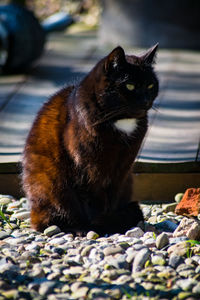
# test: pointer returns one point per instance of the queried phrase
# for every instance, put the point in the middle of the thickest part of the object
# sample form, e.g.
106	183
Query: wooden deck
169	159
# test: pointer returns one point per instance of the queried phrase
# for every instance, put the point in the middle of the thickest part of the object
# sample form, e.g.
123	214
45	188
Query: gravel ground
151	261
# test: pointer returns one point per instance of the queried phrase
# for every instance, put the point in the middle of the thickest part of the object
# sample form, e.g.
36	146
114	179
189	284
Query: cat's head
126	85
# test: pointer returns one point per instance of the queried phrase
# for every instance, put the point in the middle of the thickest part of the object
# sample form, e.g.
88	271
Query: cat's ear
115	59
149	57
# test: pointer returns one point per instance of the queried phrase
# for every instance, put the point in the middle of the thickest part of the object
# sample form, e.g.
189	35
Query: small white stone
57	241
5	200
125	239
136	232
22	215
33	246
68	237
92	235
186	284
151	242
13	205
178	197
16	241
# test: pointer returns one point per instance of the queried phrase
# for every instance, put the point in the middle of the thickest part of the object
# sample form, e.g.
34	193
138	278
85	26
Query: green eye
130	87
150	86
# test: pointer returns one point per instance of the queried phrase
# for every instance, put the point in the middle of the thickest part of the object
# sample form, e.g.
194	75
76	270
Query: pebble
86	251
136	232
92	235
180	248
152	219
186	284
169	207
131	256
150	242
158	260
146	212
178	197
139	264
188	227
33	246
141	257
162	240
57	241
196	288
119	262
11	294
3	234
175	260
50	231
14	205
76	285
46	287
196	258
39	273
81	292
4	200
194	232
113	250
138	247
21	215
16	241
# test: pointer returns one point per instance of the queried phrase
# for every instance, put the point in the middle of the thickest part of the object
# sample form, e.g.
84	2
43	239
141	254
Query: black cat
78	158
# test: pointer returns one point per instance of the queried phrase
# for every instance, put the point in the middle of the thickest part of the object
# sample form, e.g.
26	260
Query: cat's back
50	120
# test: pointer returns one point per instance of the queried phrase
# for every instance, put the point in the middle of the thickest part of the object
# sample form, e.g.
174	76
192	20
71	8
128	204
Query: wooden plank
148	187
10	168
162	187
139	167
183	167
174	132
16	119
11	185
9	85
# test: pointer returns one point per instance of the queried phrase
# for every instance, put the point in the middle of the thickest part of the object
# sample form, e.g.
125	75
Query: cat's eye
130	87
150	86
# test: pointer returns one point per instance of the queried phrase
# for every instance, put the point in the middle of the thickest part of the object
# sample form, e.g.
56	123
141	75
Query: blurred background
176	24
136	23
87	11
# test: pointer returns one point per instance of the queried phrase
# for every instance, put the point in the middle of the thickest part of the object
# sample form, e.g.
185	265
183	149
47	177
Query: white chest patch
126	125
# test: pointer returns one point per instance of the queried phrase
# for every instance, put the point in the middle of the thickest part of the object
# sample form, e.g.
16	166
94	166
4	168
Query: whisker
110	115
155	108
105	113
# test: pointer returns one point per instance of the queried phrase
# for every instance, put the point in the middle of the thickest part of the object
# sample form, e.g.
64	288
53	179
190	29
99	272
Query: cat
79	154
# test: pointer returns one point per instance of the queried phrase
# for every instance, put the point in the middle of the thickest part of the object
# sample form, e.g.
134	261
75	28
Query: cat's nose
147	104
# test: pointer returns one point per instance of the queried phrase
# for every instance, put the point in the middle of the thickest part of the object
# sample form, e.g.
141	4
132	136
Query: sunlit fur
78	160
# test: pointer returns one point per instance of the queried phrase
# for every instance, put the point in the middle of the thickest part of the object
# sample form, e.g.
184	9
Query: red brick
190	203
